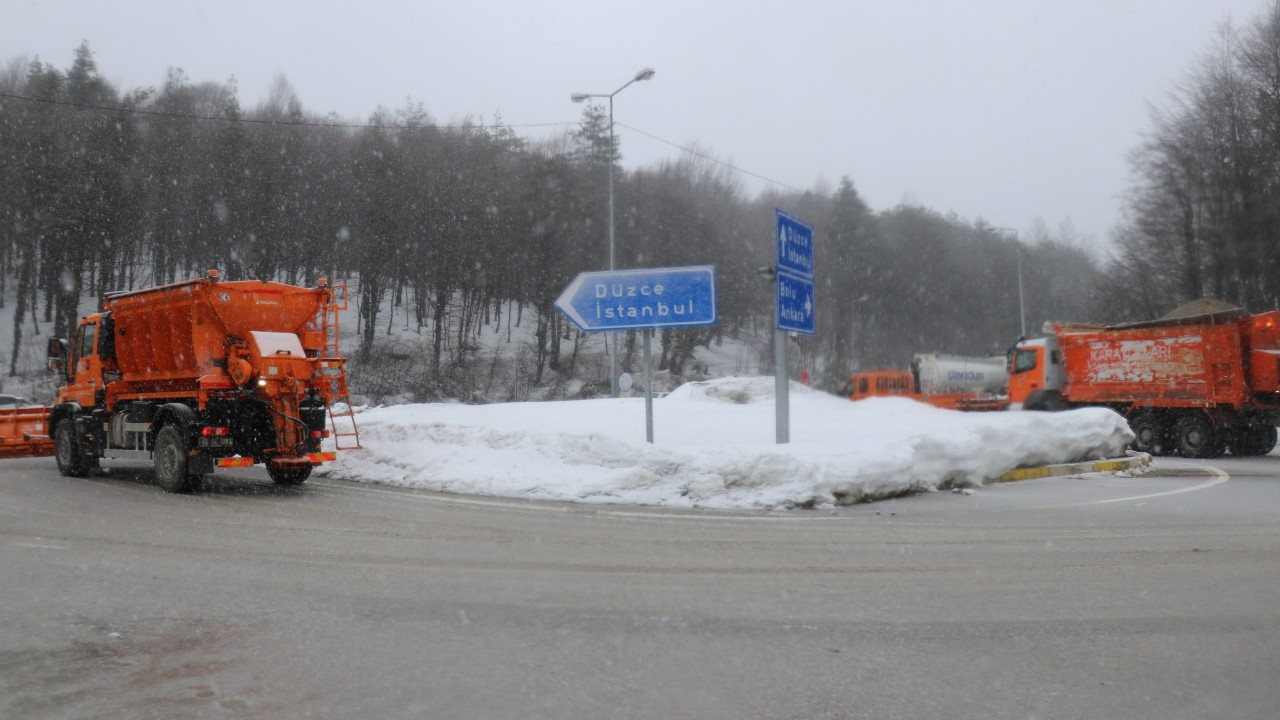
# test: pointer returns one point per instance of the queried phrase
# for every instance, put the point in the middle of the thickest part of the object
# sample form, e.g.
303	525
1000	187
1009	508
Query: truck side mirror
55	365
57	348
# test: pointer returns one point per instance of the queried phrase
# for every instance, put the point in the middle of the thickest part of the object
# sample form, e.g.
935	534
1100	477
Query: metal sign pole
783	421
648	387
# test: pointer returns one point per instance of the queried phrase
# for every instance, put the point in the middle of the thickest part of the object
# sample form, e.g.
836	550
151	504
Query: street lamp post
1022	307
1017	248
644	74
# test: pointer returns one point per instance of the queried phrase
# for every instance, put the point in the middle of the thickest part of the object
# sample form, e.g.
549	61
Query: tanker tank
941	374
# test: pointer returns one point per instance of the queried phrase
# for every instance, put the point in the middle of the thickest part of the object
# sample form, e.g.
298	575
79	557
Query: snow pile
714	447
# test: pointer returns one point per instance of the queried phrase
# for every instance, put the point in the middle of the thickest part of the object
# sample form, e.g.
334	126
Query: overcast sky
1006	110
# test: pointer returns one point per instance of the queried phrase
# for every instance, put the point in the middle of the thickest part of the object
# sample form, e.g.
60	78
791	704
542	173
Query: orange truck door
1026	374
85	365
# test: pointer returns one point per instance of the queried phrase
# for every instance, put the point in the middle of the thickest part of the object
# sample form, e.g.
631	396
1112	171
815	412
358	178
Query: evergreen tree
846	265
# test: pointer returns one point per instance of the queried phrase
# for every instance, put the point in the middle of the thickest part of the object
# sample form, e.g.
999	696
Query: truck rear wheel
1150	433
171	461
66	449
1254	440
284	476
1196	436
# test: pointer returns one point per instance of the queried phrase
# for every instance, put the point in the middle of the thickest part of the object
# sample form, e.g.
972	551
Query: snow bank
714	447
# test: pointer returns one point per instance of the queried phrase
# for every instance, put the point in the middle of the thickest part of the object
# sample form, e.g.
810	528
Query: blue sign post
795	308
642	300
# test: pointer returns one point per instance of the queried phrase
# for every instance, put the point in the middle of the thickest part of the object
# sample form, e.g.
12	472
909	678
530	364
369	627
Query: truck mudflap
234	462
314	458
25	432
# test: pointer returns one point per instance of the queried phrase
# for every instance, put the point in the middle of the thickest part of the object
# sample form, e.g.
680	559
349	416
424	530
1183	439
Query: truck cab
1036	374
91	364
878	383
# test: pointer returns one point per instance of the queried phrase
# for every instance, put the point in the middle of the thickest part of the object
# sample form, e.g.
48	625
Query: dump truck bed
175	334
1162	365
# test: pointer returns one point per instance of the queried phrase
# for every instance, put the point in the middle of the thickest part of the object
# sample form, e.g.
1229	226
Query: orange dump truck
200	375
1200	384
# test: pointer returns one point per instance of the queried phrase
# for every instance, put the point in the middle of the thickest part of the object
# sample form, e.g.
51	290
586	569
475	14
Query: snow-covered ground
714	447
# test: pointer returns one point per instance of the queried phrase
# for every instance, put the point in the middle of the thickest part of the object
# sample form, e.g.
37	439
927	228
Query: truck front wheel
66	450
171	461
1197	438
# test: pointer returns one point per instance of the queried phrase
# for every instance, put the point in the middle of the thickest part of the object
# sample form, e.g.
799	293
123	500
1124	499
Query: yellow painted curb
1113	465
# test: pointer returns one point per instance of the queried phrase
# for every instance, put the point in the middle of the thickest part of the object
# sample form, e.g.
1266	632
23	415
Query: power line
710	158
359	126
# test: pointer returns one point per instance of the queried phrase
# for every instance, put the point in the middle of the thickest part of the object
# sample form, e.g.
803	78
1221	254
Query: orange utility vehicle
946	381
203	374
1199	384
877	383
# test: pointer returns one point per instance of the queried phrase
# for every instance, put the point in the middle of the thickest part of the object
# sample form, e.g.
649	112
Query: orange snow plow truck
1201	381
195	376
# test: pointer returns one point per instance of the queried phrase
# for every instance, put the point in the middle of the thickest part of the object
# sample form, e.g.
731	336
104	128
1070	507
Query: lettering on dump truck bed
1145	360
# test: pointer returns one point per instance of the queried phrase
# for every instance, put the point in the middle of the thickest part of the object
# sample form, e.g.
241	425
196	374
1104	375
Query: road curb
1112	465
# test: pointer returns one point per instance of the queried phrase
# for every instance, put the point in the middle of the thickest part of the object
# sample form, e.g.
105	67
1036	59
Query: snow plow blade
24	432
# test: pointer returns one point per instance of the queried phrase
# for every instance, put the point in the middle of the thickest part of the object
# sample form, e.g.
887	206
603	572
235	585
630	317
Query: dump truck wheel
1254	440
1197	438
282	476
66	450
1265	440
171	461
1149	433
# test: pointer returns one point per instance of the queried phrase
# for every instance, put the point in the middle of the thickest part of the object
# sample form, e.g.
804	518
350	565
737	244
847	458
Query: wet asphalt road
1095	597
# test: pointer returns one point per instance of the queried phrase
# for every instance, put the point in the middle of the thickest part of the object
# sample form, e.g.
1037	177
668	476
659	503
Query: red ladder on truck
334	377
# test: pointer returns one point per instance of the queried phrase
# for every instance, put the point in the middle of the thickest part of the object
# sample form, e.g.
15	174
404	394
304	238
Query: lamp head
644	74
579	97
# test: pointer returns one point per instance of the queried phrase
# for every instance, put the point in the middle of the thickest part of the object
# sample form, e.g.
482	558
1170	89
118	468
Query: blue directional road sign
795	246
795	275
641	299
795	304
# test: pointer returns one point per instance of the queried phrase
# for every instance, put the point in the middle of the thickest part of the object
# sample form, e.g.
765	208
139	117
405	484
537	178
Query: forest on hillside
1204	211
455	225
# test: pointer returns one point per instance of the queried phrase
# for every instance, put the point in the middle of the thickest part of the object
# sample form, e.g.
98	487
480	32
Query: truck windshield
85	345
1024	360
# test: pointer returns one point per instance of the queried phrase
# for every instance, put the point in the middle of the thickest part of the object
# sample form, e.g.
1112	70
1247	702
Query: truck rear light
318	434
215	431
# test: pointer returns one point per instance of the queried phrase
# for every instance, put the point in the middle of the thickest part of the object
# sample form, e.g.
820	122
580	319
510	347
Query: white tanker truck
947	381
937	374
